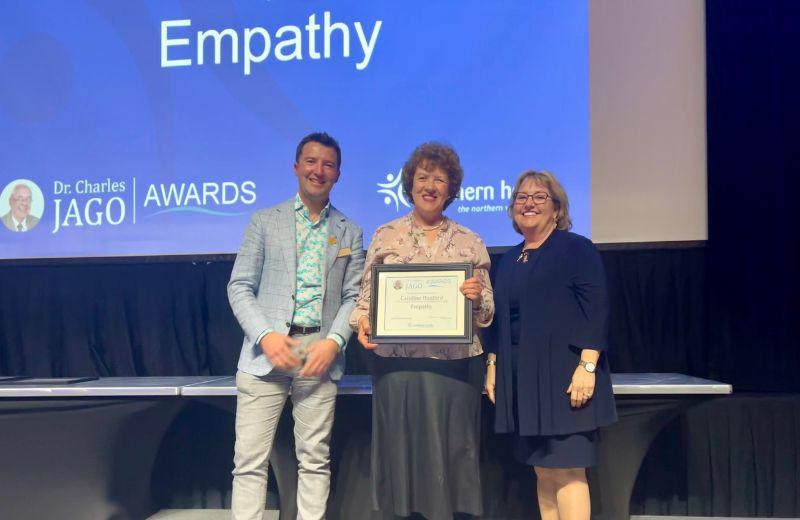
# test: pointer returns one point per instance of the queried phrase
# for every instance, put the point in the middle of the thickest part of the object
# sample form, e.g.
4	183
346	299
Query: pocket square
345	251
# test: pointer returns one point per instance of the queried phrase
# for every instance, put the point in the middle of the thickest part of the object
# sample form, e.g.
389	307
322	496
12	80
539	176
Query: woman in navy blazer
546	368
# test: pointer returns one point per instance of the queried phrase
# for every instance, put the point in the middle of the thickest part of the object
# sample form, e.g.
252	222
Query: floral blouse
402	241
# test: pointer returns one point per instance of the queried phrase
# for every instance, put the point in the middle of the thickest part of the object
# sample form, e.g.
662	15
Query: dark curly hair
430	156
322	138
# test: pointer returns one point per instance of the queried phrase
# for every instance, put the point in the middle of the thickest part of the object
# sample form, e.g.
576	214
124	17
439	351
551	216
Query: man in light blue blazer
293	286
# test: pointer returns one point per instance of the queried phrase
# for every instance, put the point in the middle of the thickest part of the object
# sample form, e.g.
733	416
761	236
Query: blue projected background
153	128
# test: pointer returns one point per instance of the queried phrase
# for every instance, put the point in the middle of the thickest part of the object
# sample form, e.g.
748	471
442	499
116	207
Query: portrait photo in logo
398	284
21	205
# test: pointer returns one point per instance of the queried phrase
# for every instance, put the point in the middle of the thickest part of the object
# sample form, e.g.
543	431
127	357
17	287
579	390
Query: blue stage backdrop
157	127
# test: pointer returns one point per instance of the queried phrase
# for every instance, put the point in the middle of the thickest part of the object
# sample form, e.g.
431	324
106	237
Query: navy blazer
563	309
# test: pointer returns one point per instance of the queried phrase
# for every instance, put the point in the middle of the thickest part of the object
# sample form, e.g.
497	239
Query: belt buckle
298	329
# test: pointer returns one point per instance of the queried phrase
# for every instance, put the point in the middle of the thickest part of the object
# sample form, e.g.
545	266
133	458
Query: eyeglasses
539	197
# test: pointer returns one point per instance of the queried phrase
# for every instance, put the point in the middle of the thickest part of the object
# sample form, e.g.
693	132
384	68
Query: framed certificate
420	303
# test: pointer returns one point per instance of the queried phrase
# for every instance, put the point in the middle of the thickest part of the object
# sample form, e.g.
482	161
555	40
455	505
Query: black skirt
426	435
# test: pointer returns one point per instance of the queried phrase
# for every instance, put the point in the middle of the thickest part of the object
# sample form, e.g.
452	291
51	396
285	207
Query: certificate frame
451	318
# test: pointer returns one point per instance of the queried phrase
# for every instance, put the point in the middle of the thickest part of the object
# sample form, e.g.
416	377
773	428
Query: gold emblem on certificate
420	303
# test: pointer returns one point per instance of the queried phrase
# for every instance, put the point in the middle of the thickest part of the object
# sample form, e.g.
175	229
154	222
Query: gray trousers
259	403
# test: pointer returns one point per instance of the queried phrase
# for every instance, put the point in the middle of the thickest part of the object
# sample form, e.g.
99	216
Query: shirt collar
18	222
300	207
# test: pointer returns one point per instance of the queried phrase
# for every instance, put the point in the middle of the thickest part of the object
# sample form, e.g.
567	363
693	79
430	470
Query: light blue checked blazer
262	286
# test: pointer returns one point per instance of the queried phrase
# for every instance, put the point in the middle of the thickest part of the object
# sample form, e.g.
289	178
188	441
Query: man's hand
320	356
278	349
364	330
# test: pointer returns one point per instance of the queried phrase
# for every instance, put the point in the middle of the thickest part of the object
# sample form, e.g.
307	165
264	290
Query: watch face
589	366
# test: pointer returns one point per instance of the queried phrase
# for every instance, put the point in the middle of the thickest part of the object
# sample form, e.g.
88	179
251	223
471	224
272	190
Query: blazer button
288	324
293	297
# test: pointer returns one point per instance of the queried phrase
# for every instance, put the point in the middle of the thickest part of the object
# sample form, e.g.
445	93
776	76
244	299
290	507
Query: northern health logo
392	190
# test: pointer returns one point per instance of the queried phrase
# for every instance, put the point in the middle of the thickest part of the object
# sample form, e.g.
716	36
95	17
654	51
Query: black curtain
160	319
733	456
753	166
117	320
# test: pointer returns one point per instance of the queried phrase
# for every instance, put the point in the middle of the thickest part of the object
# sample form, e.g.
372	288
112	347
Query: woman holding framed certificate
546	371
424	293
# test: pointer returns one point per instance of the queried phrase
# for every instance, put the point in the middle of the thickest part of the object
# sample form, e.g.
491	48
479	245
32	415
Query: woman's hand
582	387
472	288
491	373
364	330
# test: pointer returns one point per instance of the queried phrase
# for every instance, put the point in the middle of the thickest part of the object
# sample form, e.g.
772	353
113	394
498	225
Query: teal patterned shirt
311	241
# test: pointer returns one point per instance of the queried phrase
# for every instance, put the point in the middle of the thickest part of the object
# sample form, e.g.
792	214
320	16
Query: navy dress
546	311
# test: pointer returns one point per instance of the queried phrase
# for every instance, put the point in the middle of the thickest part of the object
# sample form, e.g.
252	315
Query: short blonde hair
548	181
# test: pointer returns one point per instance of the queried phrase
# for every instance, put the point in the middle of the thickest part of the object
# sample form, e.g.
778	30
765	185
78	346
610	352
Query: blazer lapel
286	227
335	234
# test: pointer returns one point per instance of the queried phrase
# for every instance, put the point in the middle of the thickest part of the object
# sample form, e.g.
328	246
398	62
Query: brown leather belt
296	330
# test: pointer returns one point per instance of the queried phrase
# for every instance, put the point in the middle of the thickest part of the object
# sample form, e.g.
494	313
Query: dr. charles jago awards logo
93	203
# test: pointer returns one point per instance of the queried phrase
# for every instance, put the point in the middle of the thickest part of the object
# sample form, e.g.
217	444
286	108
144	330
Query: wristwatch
588	365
